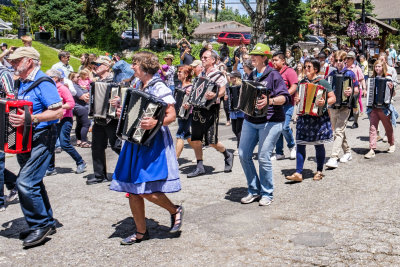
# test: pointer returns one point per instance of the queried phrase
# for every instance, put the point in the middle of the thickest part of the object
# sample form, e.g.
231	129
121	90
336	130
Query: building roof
384	9
213	28
383	25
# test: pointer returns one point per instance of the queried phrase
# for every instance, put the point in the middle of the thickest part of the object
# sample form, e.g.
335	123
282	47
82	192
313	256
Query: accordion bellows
100	95
250	93
136	106
15	140
309	94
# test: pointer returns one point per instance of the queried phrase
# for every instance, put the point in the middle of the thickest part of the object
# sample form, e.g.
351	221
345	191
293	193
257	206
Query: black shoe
229	163
95	180
355	125
176	224
132	239
196	172
351	118
24	234
37	236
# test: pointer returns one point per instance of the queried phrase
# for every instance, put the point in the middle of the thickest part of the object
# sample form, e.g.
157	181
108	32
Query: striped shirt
6	82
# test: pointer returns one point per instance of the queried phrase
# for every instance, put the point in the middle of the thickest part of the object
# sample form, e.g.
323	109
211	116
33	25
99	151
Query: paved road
351	217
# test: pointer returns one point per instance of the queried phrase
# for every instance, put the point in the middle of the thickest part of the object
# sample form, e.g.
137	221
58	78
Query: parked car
234	38
127	34
312	41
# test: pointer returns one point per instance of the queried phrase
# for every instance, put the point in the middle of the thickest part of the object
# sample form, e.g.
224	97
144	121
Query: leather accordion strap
27	128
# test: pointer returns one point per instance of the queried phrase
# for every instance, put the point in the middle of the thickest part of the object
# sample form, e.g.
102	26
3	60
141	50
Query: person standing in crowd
169	73
183	133
84	80
103	131
300	71
81	112
304	57
340	115
391	71
237	116
149	172
313	130
387	116
239	63
26	40
6	177
63	64
224	55
64	127
263	131
364	68
47	109
205	122
392	56
290	78
290	62
84	61
247	69
350	59
186	56
326	69
197	68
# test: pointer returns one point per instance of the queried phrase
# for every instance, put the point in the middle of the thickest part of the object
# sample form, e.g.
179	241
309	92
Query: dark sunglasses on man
96	64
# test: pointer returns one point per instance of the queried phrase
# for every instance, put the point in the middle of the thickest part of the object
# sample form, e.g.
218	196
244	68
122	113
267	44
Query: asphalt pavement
350	218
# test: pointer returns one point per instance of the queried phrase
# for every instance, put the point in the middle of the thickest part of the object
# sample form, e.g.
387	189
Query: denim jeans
32	193
266	135
286	131
6	177
64	128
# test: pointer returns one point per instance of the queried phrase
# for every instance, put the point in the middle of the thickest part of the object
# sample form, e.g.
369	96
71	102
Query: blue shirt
43	96
346	73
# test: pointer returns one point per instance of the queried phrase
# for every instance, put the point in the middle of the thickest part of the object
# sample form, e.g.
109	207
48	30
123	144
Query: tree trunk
145	28
258	19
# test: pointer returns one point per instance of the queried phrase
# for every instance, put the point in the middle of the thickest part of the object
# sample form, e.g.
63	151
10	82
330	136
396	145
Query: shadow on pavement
236	193
127	227
363	138
361	151
64	170
189	169
14	227
91	175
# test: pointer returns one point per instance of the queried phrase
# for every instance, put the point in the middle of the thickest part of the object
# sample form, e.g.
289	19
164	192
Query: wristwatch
35	119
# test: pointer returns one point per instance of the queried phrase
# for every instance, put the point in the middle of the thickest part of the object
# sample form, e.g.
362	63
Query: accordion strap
27	128
34	84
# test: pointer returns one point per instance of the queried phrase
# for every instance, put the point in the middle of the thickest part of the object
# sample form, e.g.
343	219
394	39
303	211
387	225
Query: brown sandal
86	145
318	176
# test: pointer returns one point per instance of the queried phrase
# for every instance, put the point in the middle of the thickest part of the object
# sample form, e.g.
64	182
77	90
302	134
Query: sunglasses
96	64
309	67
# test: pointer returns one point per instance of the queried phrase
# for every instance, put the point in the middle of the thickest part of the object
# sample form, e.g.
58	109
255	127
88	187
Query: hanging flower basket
362	30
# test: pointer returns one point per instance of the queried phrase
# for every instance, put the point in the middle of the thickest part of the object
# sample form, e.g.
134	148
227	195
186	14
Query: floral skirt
314	130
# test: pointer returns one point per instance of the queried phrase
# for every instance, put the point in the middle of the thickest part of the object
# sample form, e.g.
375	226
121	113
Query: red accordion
15	140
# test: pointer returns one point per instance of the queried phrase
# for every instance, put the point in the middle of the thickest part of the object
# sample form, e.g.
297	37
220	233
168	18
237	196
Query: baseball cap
104	60
3	44
235	73
62	73
196	63
351	54
169	56
29	52
261	50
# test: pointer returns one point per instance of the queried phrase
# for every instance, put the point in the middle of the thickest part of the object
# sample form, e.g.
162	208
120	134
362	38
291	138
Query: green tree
258	19
285	20
333	15
229	14
60	14
10	13
394	39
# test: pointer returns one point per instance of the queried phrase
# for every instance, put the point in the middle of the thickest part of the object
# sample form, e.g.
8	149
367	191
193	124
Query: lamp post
363	21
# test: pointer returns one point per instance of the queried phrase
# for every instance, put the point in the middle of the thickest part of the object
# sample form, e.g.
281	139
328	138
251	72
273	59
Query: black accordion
250	93
379	95
201	86
181	98
15	140
233	97
340	83
137	105
100	95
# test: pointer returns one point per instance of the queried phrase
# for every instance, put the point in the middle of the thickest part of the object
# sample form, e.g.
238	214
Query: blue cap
62	73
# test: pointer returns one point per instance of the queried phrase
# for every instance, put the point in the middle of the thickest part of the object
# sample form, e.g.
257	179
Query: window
221	35
234	36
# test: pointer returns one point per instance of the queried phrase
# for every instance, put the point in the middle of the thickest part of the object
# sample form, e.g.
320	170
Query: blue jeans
6	178
32	193
286	131
266	135
301	156
64	128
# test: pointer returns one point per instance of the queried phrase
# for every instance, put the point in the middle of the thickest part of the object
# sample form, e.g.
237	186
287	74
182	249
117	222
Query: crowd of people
150	172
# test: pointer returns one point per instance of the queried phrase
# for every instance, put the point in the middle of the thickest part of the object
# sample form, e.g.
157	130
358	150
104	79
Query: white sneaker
293	153
385	139
370	154
346	157
332	163
236	153
391	149
278	157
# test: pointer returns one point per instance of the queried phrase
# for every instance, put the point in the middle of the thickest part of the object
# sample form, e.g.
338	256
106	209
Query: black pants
237	128
226	109
101	136
82	123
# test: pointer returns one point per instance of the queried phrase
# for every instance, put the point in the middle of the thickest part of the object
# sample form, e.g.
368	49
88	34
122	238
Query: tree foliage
285	21
61	14
229	14
10	13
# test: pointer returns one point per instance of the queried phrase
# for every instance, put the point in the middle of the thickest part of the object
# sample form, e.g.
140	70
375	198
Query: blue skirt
148	169
314	130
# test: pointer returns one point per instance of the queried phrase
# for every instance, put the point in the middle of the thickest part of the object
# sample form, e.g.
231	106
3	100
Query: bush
78	49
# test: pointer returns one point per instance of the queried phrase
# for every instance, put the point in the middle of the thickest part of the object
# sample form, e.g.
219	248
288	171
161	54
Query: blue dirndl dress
149	169
313	130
